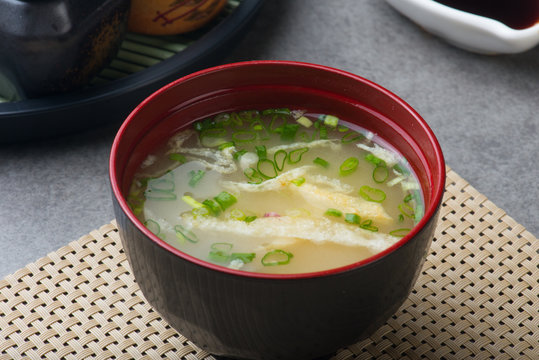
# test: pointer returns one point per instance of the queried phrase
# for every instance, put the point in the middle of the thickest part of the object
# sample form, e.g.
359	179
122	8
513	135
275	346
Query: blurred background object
168	17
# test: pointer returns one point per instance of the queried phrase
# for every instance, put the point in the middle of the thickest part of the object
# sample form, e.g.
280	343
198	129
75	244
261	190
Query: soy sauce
517	14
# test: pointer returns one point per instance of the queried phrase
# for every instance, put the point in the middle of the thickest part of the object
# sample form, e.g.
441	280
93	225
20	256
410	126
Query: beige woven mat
476	298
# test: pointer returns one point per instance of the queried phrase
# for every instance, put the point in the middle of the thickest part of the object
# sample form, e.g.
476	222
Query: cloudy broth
277	191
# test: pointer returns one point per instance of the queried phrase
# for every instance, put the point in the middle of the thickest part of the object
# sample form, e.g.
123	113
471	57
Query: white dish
468	31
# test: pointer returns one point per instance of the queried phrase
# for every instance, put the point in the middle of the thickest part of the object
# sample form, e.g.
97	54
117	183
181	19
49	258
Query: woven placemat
477	297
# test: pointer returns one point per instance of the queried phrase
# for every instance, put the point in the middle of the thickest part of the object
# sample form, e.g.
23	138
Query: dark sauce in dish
517	14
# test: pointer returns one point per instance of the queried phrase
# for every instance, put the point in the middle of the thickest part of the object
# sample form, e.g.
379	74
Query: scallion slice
245	257
401	169
250	218
408	198
298	182
375	160
277	257
226	145
201	211
331	121
266	168
213	137
261	151
333	212
348	166
244	136
177	157
189	200
400	232
237	214
407	210
372	194
185	234
289	131
196	176
321	162
305	121
225	200
279	158
253	176
380	174
282	111
352	218
156	194
367	225
239	154
213	206
153	226
351	137
294	156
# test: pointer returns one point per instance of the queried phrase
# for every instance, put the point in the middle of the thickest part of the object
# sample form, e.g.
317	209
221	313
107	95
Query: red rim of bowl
429	212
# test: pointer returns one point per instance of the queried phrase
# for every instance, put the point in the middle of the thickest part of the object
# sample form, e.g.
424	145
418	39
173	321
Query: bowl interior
270	84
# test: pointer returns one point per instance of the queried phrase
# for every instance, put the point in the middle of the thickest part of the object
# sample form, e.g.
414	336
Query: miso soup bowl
262	316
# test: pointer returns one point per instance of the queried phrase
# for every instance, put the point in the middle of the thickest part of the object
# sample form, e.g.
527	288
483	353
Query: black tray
143	65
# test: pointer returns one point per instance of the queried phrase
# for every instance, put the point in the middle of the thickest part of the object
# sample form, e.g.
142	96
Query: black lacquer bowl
263	316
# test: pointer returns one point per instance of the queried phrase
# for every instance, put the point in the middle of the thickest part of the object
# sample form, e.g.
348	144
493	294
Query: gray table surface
483	109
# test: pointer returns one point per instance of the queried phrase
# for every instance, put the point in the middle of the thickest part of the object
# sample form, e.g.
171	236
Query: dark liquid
517	14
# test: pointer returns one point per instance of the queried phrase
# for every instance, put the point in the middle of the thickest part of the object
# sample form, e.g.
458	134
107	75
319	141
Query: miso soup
277	191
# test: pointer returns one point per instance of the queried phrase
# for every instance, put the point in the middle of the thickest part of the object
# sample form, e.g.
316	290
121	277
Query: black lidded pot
54	46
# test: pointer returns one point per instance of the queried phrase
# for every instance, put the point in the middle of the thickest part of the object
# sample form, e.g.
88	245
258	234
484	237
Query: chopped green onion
372	194
253	176
305	121
245	257
348	166
282	111
226	145
367	225
321	162
225	200
303	136
164	183
279	158
289	132
277	257
178	157
408	198
156	194
342	128
375	160
239	154
333	212
185	234
250	218
400	232
401	218
380	174
213	206
257	125
331	121
218	256
407	210
266	168
222	246
244	136
205	124
153	226
201	211
351	137
294	156
236	119
273	124
323	132
196	176
261	151
237	214
189	200
352	218
298	181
